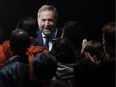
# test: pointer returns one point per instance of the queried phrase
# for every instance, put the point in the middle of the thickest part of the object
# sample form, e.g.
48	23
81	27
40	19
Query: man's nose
46	23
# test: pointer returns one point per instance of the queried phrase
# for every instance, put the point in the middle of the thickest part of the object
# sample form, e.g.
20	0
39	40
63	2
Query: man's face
46	22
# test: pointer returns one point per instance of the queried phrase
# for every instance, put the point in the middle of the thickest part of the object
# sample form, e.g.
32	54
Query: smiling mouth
46	29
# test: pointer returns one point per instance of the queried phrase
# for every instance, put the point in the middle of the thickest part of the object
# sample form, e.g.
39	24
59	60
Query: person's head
109	38
19	41
94	48
64	51
29	25
73	31
44	66
47	17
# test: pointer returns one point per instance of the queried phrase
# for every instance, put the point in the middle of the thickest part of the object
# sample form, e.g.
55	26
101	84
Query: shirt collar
43	35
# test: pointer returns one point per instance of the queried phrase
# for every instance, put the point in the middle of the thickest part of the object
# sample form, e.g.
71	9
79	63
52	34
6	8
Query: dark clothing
14	75
39	39
65	72
78	55
15	72
106	74
35	83
23	59
85	72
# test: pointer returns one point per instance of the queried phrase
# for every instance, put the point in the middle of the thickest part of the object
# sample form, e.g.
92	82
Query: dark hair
73	31
95	48
64	51
29	25
109	33
44	66
19	41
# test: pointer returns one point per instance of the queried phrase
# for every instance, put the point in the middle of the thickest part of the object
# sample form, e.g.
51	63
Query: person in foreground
29	25
18	72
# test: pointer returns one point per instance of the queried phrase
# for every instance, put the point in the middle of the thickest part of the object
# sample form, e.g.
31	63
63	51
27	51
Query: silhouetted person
64	52
93	51
30	26
102	75
106	71
74	32
19	42
18	73
44	68
15	72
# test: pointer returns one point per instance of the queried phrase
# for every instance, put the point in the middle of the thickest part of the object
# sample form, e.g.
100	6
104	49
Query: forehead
47	13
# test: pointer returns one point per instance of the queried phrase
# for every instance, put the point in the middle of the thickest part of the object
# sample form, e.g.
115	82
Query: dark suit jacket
39	38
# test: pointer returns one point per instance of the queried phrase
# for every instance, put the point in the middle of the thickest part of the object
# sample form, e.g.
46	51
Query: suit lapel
39	38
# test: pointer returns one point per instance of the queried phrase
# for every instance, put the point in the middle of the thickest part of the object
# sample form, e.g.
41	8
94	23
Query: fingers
84	43
91	58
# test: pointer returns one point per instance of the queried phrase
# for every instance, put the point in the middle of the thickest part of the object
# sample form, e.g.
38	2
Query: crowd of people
38	54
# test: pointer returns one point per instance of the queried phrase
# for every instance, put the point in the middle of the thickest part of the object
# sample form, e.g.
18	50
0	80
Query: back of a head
73	31
95	48
29	25
64	51
109	33
19	41
109	38
44	66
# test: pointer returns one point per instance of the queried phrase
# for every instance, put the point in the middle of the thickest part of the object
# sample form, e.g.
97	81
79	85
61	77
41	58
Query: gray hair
48	8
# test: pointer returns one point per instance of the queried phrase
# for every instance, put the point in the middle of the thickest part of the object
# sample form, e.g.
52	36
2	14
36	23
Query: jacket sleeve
5	53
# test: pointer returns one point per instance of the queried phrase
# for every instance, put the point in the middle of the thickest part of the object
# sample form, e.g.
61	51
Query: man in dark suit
47	17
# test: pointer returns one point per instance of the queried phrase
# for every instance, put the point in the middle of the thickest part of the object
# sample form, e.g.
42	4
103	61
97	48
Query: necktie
47	42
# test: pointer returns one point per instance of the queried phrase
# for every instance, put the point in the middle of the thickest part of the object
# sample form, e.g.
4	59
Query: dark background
92	14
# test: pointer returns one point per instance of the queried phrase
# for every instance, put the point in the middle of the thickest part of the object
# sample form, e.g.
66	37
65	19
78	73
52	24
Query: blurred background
92	14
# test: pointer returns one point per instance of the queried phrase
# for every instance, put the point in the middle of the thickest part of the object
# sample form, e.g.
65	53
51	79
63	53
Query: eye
43	20
51	20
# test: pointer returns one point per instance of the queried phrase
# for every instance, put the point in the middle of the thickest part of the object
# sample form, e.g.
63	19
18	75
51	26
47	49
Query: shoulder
12	73
59	29
13	68
59	32
36	49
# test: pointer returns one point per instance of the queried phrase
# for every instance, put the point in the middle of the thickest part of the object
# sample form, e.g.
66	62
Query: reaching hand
91	58
84	43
